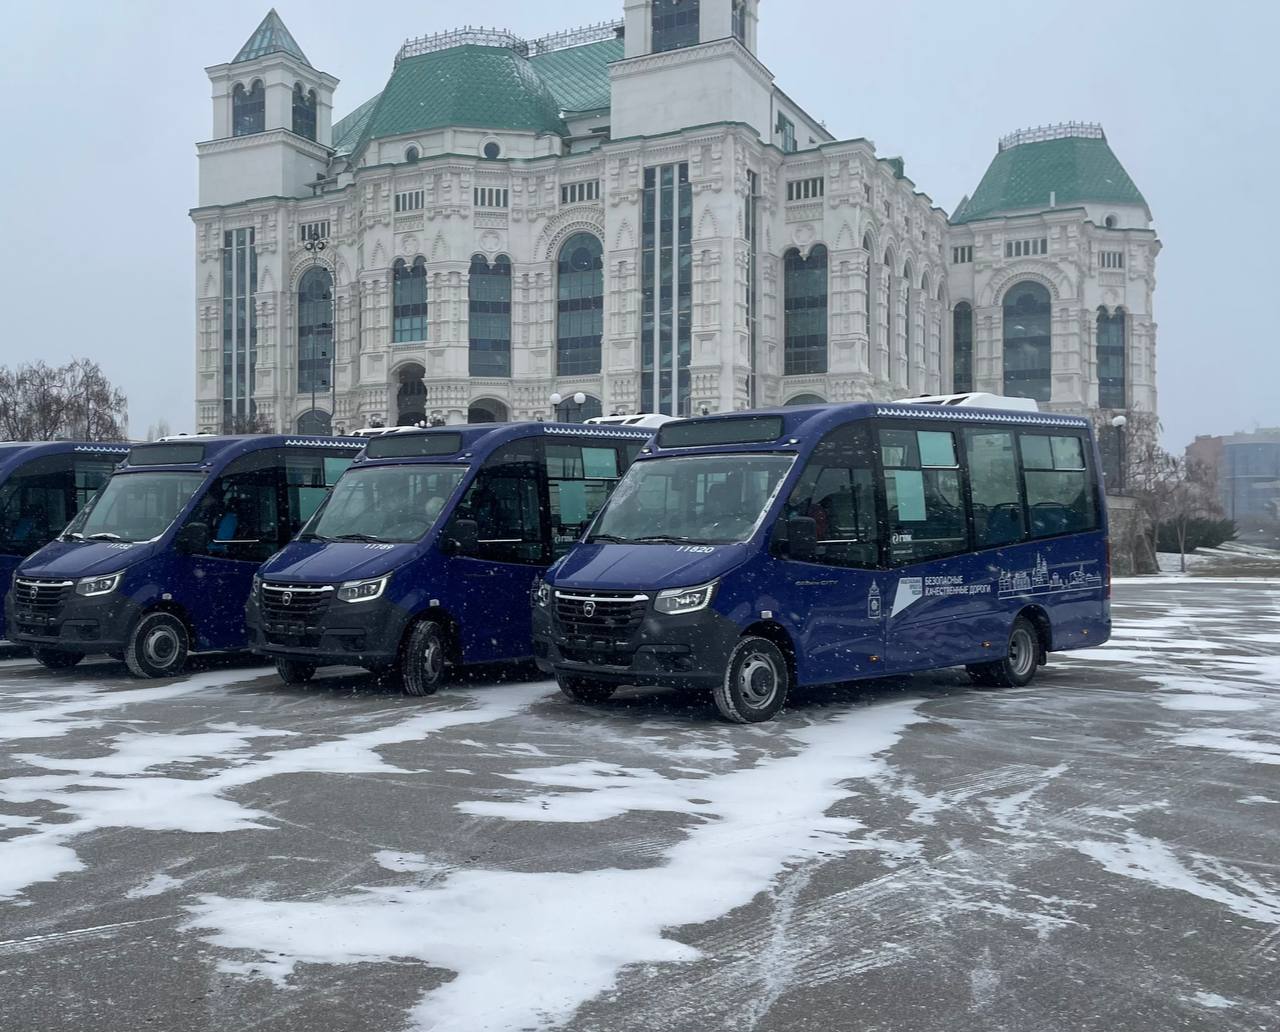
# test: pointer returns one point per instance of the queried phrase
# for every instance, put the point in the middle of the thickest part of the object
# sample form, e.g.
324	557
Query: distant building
636	212
1246	468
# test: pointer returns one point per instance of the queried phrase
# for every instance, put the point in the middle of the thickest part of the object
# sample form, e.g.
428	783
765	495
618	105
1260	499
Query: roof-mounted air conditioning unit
974	399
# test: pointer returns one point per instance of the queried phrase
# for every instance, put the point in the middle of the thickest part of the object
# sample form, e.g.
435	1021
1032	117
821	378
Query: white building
634	211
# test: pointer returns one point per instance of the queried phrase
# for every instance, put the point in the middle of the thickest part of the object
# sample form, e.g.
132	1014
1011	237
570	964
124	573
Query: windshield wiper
105	535
312	537
73	535
609	539
368	539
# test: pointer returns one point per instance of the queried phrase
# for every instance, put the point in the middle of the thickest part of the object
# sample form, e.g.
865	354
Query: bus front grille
39	602
294	603
601	616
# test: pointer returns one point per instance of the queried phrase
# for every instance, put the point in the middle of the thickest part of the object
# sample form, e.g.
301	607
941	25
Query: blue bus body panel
210	590
847	623
14	456
487	600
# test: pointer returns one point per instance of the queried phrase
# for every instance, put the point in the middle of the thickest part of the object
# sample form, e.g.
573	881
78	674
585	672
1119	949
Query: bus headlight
363	591
685	600
543	594
92	586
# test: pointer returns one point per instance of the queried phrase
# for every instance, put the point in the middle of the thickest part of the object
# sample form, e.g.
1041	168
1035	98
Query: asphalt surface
1100	850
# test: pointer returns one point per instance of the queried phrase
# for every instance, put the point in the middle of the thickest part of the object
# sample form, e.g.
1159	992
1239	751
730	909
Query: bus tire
756	682
585	690
425	661
57	659
295	671
1021	659
157	647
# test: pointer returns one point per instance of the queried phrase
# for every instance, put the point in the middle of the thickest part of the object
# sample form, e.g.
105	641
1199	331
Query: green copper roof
271	37
347	131
578	77
475	86
1074	169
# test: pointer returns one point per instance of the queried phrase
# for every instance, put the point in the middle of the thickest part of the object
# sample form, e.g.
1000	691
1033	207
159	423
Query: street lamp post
579	399
1119	423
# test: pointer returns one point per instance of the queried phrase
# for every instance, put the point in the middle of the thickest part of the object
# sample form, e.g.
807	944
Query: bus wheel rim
432	663
758	680
1021	652
161	646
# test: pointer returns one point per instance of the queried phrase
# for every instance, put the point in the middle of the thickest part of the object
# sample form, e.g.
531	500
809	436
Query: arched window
488	410
304	111
317	423
962	343
248	109
489	295
409	301
569	411
676	24
580	308
1111	360
412	154
871	300
909	324
806	399
1110	222
1028	348
890	307
740	21
315	330
411	396
805	302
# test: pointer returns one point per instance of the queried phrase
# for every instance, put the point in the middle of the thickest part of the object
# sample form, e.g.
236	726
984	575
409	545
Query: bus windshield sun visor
704	433
408	446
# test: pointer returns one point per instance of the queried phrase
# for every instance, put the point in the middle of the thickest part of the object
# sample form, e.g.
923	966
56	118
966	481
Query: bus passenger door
836	599
490	591
940	589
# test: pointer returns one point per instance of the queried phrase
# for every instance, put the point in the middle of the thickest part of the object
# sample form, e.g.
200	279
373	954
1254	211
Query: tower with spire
272	120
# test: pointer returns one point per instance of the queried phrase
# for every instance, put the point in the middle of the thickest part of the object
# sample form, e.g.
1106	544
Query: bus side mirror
193	539
464	538
802	538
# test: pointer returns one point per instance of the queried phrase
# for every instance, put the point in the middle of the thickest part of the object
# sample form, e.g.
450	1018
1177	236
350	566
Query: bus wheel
158	646
422	669
57	659
583	689
1020	661
755	683
293	671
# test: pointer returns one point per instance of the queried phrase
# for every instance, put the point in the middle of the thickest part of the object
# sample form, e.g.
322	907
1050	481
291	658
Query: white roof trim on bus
116	448
969	415
597	431
331	442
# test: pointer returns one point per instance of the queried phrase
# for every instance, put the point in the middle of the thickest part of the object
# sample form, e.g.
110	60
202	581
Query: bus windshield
136	507
386	504
693	499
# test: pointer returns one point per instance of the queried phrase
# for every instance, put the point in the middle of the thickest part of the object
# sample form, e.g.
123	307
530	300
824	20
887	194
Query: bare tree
1172	493
159	429
39	402
254	424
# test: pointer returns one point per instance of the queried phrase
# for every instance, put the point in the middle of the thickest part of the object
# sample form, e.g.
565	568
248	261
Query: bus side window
580	478
503	502
1058	485
837	491
36	504
993	481
922	489
242	510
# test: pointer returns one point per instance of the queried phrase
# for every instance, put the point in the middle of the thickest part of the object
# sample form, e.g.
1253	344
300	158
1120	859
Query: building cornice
252	140
727	47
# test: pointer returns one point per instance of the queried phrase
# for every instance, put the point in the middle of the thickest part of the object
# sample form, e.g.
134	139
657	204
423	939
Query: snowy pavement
1098	851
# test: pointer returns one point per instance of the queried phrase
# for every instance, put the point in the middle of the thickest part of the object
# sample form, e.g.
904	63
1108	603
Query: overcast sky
104	103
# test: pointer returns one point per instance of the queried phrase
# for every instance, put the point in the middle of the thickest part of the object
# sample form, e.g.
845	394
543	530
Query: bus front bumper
690	651
366	634
89	625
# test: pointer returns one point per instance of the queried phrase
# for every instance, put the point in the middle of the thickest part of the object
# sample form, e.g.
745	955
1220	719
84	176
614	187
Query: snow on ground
564	938
144	782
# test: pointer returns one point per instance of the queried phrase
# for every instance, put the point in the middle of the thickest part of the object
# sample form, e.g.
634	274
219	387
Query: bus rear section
744	554
160	564
423	558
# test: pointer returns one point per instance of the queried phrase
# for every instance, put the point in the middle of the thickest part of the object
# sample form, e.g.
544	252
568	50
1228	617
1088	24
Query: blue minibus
160	563
745	554
424	556
42	487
